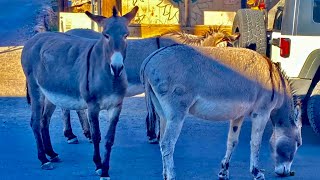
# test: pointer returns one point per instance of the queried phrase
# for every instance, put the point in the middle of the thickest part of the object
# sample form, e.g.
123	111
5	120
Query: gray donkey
137	51
77	73
222	84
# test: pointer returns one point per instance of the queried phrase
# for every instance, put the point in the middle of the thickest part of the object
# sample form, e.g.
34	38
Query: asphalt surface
199	150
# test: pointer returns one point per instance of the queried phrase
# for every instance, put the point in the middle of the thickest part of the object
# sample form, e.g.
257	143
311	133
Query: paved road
198	153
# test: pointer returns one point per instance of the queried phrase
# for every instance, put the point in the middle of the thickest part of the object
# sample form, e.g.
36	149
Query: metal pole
92	11
99	7
99	12
243	4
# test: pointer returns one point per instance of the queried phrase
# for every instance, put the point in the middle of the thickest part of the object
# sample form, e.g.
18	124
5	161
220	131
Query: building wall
153	11
173	11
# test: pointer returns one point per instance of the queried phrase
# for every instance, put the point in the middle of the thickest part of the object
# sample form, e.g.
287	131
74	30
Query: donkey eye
106	36
125	36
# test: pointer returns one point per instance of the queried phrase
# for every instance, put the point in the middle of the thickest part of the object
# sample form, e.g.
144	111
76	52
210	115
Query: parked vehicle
293	42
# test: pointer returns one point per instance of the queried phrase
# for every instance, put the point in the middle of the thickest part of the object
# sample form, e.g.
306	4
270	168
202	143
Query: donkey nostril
116	70
121	68
299	144
113	68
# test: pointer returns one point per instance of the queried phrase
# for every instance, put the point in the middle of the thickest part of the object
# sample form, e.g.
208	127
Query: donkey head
286	139
115	32
218	37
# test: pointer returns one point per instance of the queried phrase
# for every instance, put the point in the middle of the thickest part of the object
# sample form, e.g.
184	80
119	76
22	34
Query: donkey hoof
153	141
47	166
90	140
73	141
55	159
260	176
223	175
99	172
104	178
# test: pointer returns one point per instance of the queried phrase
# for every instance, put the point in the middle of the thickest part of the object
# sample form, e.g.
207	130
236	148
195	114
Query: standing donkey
77	73
221	84
136	53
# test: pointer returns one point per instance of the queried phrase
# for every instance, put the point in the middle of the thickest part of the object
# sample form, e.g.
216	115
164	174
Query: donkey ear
297	114
96	18
234	36
130	15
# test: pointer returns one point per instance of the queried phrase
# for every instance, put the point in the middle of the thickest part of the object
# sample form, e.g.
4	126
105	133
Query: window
278	19
316	11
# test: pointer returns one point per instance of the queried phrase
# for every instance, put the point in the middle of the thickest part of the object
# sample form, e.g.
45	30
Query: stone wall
12	79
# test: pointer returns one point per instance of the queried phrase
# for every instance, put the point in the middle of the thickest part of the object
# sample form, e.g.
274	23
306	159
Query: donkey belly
65	101
134	89
219	109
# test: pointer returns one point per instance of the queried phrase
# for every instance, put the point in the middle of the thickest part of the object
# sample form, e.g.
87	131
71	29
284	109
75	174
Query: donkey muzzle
116	65
283	170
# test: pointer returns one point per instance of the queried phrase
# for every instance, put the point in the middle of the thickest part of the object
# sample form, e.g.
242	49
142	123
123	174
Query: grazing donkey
136	53
77	73
221	84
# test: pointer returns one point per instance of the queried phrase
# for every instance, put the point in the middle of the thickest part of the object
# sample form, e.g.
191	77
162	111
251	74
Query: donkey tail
151	119
27	94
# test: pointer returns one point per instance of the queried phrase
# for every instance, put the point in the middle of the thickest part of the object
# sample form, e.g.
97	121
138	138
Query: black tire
314	109
251	26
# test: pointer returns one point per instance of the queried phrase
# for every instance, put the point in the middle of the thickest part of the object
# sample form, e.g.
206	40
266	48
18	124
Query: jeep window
278	19
316	11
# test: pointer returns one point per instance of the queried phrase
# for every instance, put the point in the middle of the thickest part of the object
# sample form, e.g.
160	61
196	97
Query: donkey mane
286	83
285	77
195	40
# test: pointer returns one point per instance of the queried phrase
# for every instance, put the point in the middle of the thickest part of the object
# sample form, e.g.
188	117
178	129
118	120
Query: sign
69	21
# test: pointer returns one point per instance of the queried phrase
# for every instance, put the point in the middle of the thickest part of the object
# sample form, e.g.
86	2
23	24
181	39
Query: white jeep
293	42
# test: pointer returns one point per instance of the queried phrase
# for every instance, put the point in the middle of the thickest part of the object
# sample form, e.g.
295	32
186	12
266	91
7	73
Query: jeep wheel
251	26
314	109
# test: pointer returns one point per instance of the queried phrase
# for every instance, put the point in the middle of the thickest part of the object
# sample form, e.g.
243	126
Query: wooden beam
187	12
63	5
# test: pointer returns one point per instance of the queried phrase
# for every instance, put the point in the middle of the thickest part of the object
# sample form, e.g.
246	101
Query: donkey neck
101	54
283	115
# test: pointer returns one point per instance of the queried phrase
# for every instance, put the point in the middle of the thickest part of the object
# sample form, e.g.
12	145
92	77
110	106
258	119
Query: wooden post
92	11
62	4
187	10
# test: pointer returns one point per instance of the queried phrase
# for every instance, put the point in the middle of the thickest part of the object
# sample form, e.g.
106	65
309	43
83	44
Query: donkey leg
259	121
46	116
67	130
36	107
151	129
113	114
93	114
163	124
167	143
84	123
233	137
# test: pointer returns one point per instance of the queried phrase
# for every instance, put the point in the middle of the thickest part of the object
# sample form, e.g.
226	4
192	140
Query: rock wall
12	79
